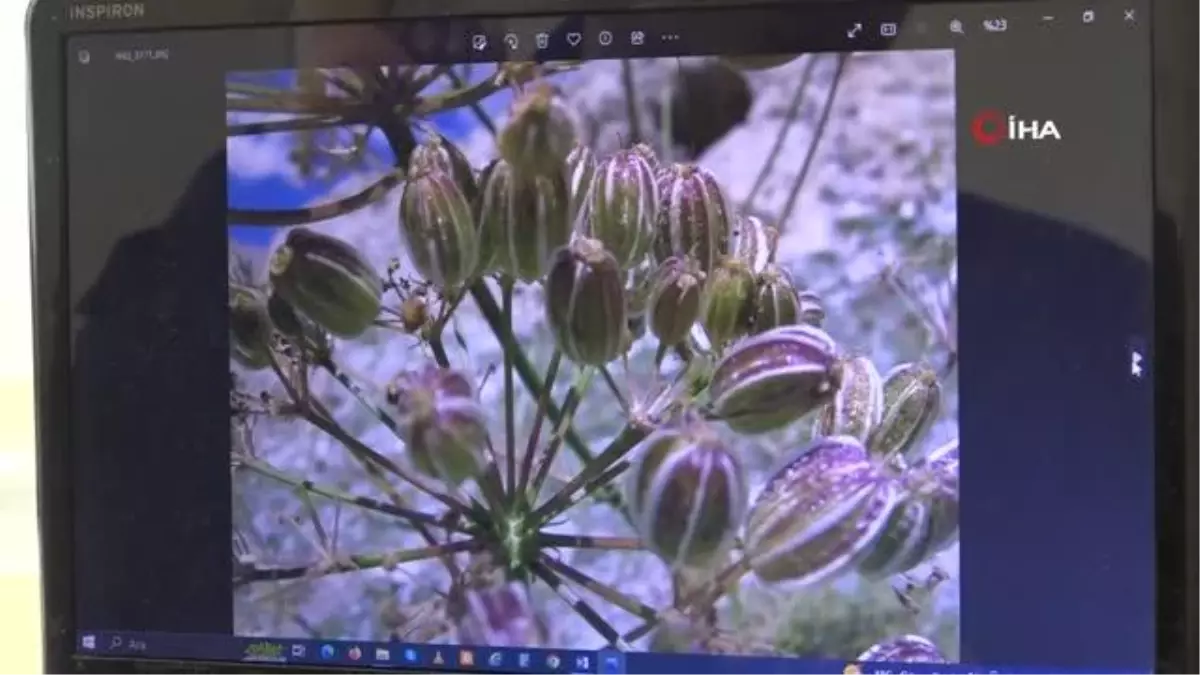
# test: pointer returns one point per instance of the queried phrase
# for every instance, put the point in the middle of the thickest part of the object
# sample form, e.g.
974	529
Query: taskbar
386	656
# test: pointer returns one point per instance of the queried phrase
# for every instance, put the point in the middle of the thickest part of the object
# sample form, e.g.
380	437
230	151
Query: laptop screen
629	342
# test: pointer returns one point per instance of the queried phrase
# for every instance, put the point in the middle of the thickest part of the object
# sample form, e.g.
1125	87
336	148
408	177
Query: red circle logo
988	127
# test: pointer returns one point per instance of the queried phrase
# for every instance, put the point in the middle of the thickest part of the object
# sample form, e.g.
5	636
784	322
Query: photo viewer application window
628	343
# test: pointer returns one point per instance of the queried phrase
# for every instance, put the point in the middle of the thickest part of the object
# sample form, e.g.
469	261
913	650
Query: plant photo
649	354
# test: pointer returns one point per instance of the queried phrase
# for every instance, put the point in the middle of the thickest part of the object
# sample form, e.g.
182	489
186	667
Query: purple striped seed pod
539	134
623	205
249	327
912	402
812	309
903	649
753	241
441	422
687	494
328	281
925	520
438	228
857	407
693	217
728	302
676	298
585	303
581	170
776	302
438	154
817	513
523	220
769	381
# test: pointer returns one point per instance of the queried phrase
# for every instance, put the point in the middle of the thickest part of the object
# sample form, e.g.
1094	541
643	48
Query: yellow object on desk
20	597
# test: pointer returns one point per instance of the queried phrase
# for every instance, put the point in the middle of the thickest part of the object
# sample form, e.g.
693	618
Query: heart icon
574	39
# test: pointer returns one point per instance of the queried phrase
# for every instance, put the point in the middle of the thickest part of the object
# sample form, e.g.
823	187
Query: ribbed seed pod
249	327
647	153
903	649
438	154
857	407
812	310
441	422
912	401
817	513
585	302
728	302
523	219
438	228
776	302
753	241
676	296
768	381
581	170
687	494
693	217
327	281
292	325
622	206
925	520
539	134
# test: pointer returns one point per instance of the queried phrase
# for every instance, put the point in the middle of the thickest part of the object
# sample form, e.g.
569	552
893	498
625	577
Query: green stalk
249	574
535	434
510	394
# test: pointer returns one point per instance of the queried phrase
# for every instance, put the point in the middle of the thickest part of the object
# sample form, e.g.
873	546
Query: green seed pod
249	327
438	228
687	494
327	281
622	207
912	401
776	302
903	649
770	380
812	310
441	422
857	407
438	154
925	520
523	220
581	170
676	295
753	241
296	328
693	216
585	302
540	133
728	302
817	513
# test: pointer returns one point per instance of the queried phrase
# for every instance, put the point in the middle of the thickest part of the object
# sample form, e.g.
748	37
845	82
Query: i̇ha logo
992	127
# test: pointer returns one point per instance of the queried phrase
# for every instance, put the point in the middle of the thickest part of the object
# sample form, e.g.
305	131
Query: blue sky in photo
282	190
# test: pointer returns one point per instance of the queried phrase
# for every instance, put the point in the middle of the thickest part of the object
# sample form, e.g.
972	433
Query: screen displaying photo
646	354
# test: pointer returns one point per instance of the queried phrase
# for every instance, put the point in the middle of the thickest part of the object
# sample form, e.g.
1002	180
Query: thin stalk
705	594
615	389
480	114
510	393
314	214
818	136
615	452
599	588
535	434
602	483
329	366
789	118
328	492
631	102
249	574
579	606
552	540
308	123
570	405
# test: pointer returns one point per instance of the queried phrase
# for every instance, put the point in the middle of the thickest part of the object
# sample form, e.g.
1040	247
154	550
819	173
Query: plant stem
315	214
307	123
477	109
789	118
616	450
601	589
705	594
552	540
329	366
615	389
366	503
510	392
570	405
535	433
818	135
631	102
249	574
579	605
